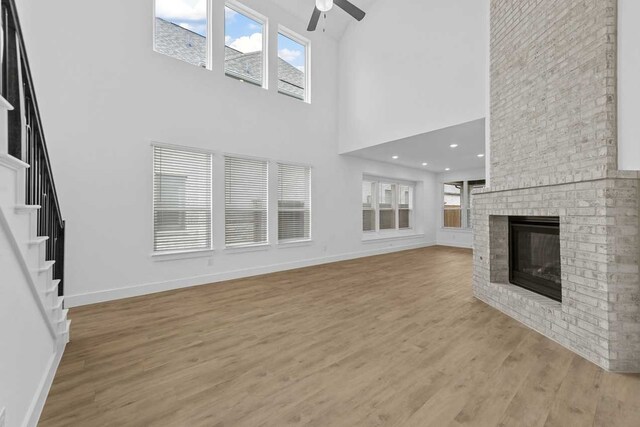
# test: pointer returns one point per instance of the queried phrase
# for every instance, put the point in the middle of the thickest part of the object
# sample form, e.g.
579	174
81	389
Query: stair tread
47	266
11	162
39	240
59	303
54	286
63	316
27	207
5	105
66	333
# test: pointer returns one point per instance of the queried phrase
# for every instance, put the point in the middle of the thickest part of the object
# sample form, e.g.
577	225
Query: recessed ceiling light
394	157
447	169
425	164
454	146
480	155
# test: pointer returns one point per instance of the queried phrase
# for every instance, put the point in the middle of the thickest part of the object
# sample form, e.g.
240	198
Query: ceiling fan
323	6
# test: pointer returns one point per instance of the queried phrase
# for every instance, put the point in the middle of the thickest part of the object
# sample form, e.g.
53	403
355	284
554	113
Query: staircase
29	207
32	239
20	223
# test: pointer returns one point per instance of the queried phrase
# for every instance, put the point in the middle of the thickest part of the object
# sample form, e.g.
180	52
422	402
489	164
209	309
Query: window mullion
376	196
182	200
396	207
465	202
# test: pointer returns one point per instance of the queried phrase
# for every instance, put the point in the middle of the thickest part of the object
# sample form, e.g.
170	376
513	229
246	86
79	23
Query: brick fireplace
553	154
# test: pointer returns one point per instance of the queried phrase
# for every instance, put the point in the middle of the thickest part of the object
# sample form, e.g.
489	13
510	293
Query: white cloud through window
246	44
182	10
289	55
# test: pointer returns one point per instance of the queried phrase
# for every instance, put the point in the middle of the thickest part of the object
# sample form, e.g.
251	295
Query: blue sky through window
189	14
241	32
291	51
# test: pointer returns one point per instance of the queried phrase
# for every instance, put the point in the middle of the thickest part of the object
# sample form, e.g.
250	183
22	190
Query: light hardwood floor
392	340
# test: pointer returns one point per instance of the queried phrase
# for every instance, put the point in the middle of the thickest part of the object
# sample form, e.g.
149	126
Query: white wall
628	85
105	95
412	67
446	236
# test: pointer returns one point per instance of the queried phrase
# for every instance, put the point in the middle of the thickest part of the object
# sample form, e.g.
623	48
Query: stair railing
26	138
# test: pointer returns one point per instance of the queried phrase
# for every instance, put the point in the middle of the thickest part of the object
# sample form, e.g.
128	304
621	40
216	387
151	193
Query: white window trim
178	255
307	60
212	38
251	247
209	64
234	249
292	242
464	209
184	254
391	234
248	247
395	236
295	244
303	242
462	206
256	16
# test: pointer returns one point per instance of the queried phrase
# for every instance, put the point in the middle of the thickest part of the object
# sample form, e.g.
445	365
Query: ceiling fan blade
315	17
350	8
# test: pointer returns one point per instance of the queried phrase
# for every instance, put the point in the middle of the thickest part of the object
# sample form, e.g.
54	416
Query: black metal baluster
40	186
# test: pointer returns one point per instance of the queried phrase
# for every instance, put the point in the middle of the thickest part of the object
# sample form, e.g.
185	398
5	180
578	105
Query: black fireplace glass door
535	257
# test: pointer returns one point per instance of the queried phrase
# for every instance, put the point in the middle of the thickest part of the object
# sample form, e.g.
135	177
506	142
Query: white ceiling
337	20
434	149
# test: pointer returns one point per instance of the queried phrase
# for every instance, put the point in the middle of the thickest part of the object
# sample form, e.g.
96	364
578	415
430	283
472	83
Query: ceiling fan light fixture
324	5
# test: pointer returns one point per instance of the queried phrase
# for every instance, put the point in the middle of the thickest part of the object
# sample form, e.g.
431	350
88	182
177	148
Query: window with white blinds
294	203
182	207
246	201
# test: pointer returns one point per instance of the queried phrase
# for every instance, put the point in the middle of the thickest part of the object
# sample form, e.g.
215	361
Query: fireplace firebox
534	255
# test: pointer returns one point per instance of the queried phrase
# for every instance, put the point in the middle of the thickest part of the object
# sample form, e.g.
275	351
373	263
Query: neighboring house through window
405	207
458	202
387	205
294	203
453	204
368	206
181	30
182	200
293	65
246	201
245	44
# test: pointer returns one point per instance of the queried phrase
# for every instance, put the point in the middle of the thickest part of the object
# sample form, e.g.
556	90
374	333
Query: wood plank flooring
392	340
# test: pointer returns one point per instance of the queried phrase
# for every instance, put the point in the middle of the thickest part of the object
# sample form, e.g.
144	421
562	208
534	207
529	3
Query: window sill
178	255
293	97
247	248
294	244
457	230
245	80
384	237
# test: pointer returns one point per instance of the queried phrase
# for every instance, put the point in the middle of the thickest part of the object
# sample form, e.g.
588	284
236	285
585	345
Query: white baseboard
456	245
149	288
45	385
